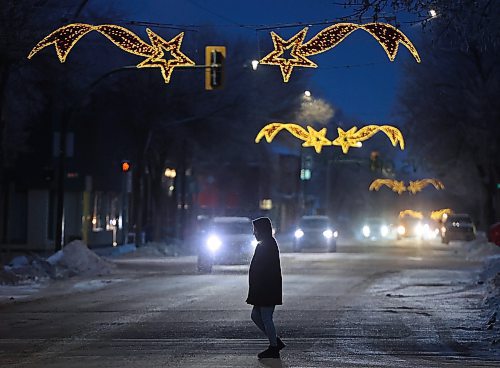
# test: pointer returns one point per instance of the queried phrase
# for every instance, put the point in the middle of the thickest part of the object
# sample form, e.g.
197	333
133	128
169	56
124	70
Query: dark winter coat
265	274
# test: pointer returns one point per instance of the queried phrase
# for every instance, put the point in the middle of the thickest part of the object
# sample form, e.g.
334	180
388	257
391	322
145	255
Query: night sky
355	77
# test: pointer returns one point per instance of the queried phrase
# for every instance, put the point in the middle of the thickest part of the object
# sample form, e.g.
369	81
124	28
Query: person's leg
257	318
266	314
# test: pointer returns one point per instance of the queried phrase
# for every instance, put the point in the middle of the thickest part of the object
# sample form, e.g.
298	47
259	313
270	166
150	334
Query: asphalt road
373	305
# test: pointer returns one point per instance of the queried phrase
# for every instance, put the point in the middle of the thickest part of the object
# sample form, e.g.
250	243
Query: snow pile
74	259
491	277
26	268
480	249
77	259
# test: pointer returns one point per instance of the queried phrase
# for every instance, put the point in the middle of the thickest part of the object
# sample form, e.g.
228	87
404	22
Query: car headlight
384	230
255	243
366	231
328	233
401	230
335	234
299	233
213	243
419	230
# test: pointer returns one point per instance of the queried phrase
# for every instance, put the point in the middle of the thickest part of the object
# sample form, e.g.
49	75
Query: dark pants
263	318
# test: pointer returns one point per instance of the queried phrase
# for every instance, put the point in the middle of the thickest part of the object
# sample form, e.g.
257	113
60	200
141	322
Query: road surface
405	304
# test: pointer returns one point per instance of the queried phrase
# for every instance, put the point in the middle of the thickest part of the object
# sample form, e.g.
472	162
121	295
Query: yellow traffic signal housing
214	62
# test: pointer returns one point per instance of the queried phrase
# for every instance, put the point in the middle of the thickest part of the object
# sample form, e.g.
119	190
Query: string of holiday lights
396	186
439	215
411	213
66	37
388	36
311	137
399	186
317	139
353	137
418	185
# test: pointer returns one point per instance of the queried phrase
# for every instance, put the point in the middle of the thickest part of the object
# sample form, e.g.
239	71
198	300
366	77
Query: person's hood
263	226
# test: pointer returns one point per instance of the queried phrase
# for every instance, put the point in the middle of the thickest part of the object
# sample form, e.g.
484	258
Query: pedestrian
265	290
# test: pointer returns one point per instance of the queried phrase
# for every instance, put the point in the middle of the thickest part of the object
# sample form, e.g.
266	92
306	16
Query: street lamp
255	64
433	13
307	93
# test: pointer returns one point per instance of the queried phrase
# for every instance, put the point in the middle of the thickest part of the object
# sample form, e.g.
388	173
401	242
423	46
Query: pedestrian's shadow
272	363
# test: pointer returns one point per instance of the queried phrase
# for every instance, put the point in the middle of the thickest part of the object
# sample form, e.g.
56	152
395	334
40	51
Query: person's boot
281	344
271	352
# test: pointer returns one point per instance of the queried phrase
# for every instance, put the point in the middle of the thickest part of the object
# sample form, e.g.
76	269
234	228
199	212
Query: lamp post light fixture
433	13
255	64
307	93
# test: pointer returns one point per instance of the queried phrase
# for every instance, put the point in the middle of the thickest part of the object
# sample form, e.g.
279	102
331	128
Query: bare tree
451	106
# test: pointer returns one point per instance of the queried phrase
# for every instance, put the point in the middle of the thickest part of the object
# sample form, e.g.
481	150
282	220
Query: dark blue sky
356	76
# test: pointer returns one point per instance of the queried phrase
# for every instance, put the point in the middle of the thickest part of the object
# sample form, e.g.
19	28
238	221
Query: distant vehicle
375	228
494	233
458	227
227	240
315	232
411	227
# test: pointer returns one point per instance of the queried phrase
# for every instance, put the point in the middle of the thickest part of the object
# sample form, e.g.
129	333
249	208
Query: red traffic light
126	166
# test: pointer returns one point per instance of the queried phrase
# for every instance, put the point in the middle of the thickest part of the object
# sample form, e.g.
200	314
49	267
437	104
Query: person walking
265	289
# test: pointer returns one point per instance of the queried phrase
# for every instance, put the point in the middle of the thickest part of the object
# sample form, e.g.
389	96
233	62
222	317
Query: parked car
315	232
458	227
494	233
375	228
227	240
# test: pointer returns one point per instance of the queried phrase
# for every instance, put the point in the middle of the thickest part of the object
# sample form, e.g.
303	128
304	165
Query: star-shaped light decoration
297	59
157	60
311	137
395	185
66	37
418	185
346	139
316	139
386	35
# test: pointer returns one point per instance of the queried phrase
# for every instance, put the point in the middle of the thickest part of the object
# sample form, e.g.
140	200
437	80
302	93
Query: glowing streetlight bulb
255	64
307	93
433	13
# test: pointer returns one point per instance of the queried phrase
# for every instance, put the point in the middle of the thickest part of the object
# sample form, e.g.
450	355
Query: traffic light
214	71
375	163
125	166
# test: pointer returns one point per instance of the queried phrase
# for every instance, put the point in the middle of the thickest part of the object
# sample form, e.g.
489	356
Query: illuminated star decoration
311	137
353	137
418	185
317	139
66	37
438	215
399	186
386	35
286	65
411	213
395	185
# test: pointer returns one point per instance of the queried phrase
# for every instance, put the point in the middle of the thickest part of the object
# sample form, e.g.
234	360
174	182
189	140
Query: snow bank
77	259
74	259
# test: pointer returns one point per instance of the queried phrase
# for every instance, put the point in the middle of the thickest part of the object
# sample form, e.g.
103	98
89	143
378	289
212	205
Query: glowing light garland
438	215
399	186
353	136
395	185
317	139
311	137
418	185
66	37
411	213
386	35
